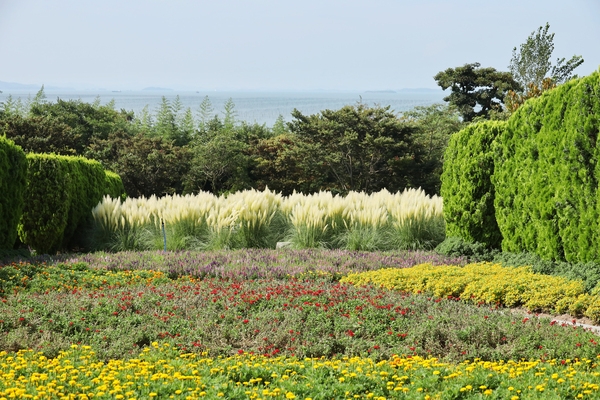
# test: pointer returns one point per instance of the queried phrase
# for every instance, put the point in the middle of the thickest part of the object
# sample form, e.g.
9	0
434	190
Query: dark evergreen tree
476	91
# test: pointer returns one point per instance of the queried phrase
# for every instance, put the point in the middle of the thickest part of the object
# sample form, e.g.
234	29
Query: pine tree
279	127
230	115
205	114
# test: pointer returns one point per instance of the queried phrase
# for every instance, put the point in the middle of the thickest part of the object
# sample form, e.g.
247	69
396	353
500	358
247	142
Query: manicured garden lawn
269	324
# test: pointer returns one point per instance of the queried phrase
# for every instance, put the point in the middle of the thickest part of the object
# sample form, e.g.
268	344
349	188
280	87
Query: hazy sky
277	44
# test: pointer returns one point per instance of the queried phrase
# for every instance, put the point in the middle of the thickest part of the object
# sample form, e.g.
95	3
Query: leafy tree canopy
532	68
86	120
40	134
531	64
218	165
277	164
476	91
147	165
357	148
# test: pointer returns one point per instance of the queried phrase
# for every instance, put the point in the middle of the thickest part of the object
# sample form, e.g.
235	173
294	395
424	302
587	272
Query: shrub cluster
13	172
113	185
490	284
454	246
588	273
61	191
544	176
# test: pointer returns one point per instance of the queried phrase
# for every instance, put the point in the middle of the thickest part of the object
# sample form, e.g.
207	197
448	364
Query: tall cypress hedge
547	173
13	172
467	189
47	202
61	192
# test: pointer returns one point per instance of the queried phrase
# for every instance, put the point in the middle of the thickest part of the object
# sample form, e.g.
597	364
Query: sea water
252	107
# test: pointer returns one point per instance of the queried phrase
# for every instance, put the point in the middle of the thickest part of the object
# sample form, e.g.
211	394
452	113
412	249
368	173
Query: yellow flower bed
160	372
488	283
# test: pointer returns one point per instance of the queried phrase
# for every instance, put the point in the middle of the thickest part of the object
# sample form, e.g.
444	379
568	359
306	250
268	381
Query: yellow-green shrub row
160	372
488	283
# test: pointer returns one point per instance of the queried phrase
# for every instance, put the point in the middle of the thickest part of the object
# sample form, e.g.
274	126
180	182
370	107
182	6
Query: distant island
157	89
428	90
405	90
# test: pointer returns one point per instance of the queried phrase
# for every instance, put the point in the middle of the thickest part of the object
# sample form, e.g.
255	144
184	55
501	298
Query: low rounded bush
457	247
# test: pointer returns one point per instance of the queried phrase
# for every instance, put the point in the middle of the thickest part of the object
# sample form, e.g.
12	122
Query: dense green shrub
458	247
546	174
13	171
87	188
36	134
467	189
61	192
47	202
114	185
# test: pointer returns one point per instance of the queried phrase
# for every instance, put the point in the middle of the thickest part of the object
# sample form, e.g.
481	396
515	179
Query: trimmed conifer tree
61	193
467	188
546	174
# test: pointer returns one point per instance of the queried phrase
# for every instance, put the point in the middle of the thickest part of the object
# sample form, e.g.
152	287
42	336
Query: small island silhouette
153	88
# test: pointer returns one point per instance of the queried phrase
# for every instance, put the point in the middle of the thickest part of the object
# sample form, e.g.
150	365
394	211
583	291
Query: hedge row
61	192
541	172
13	172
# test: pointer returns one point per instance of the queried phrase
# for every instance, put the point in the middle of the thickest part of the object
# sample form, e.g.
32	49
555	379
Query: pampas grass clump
254	219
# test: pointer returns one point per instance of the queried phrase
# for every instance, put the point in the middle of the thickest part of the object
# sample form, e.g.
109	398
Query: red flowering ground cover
311	315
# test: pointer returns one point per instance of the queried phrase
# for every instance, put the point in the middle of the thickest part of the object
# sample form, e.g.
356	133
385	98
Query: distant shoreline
260	107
